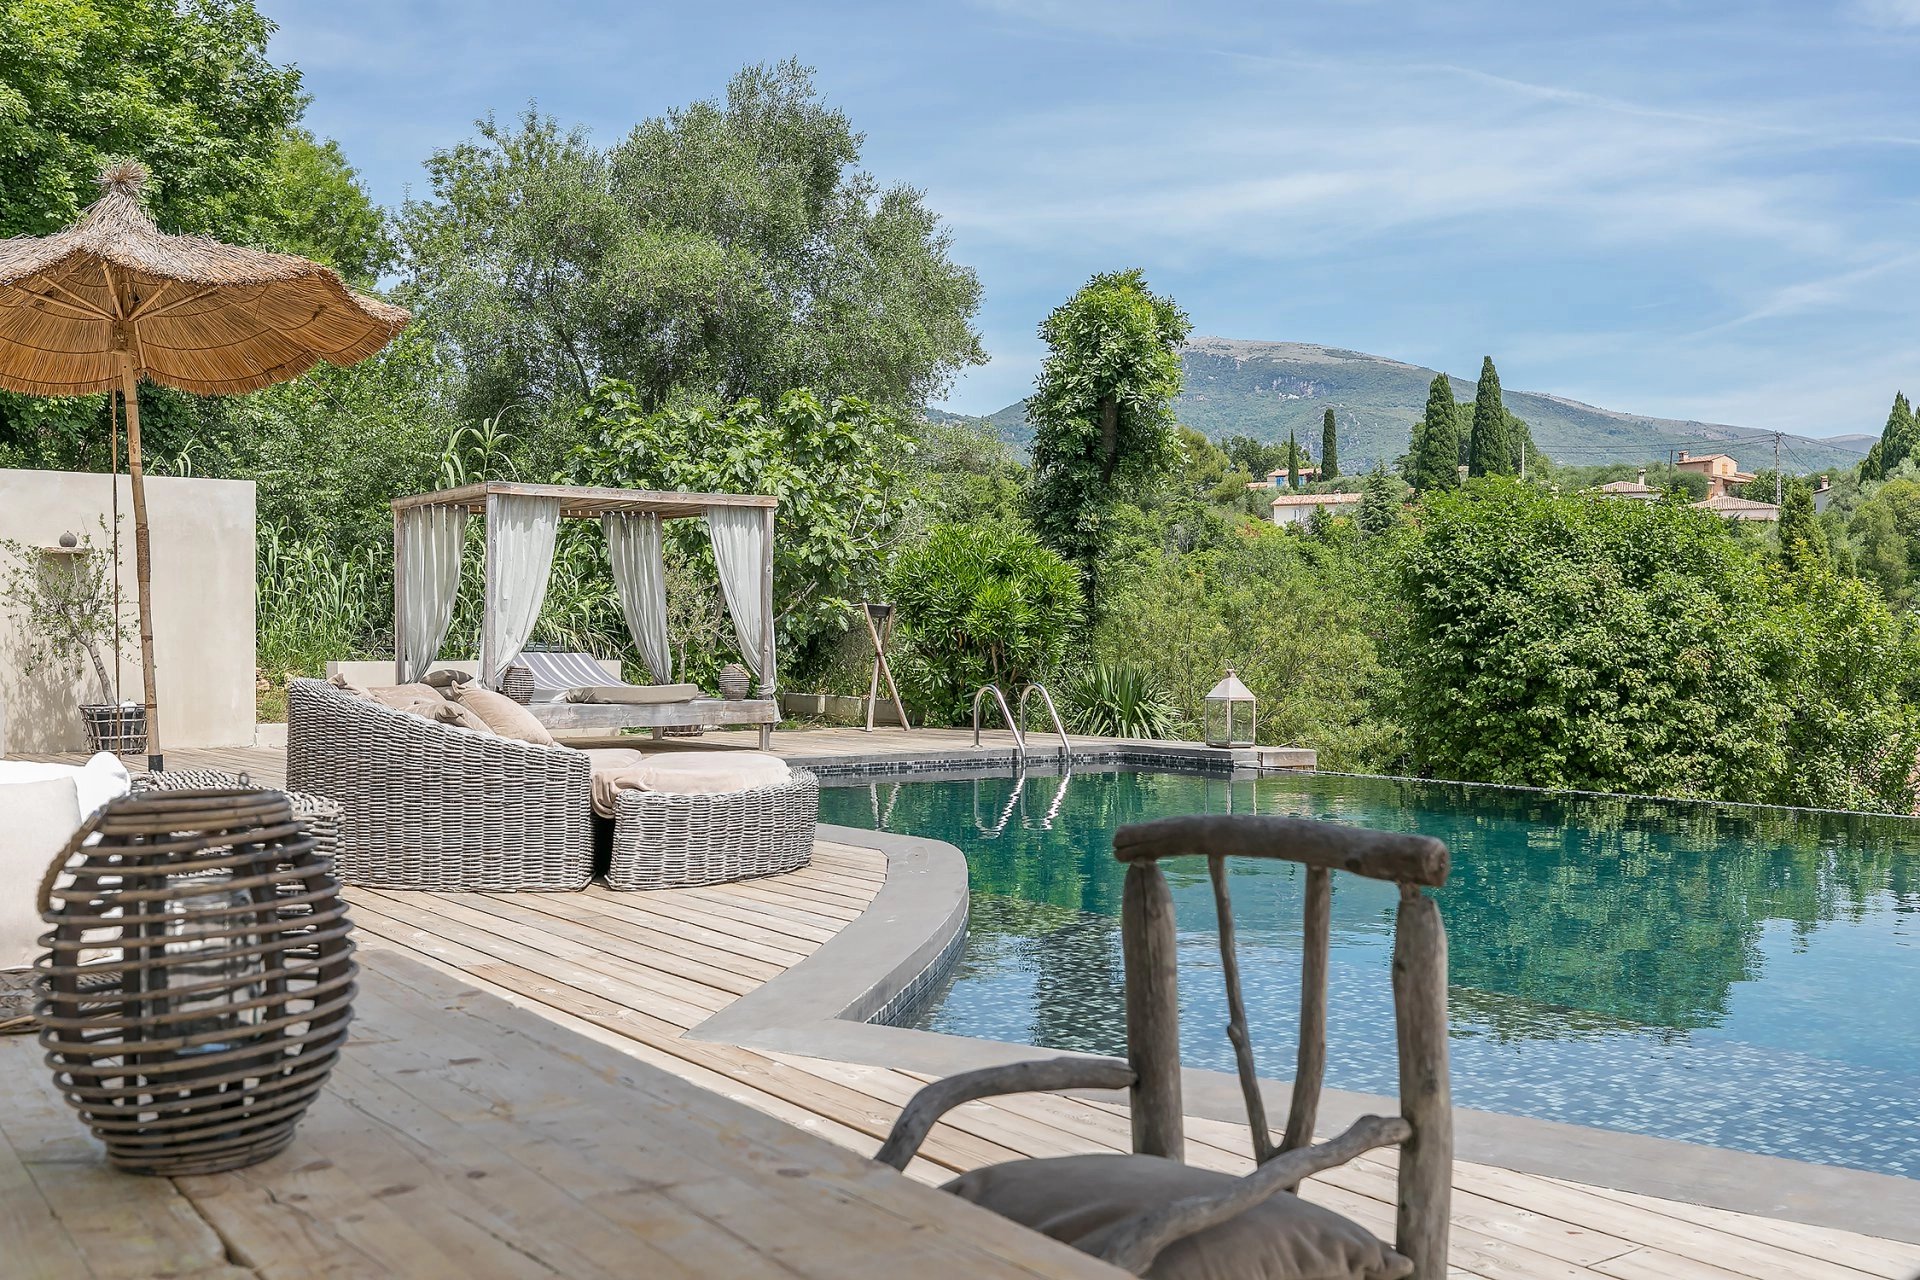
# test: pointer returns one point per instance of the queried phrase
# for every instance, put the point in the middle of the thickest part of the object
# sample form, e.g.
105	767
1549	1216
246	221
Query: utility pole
1776	468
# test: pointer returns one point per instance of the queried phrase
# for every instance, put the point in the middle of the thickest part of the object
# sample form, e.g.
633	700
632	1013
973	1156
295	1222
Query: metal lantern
198	980
1229	716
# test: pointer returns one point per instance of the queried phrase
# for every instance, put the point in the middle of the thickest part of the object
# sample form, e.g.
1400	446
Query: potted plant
64	599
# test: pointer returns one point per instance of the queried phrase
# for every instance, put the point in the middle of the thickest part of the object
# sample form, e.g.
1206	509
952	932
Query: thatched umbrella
112	300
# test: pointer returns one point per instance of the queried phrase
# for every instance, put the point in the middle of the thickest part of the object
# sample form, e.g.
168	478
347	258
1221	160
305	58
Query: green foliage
1491	443
1433	463
184	85
1329	448
1117	700
317	603
979	605
1569	643
965	474
1297	617
1896	444
1258	458
1293	463
1803	543
1103	426
839	468
723	251
1379	505
321	211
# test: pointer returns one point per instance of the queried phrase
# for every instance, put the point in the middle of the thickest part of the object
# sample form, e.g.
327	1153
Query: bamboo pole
142	557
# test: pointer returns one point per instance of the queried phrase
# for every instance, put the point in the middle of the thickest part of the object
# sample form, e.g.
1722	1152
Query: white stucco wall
203	608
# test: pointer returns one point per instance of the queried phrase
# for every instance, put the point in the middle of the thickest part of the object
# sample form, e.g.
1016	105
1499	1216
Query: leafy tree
1329	448
321	211
965	474
1258	458
1379	506
1608	646
1803	543
839	468
979	605
725	250
1433	464
185	85
1490	445
1102	412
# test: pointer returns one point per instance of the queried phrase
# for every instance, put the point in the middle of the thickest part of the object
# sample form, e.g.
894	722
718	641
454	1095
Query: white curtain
430	543
520	532
740	551
640	579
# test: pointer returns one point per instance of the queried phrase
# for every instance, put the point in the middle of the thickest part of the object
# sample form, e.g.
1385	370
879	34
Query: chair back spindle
1237	1033
1310	1062
1153	1011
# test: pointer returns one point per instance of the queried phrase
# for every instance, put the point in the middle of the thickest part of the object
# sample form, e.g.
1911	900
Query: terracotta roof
1314	499
1631	488
1727	504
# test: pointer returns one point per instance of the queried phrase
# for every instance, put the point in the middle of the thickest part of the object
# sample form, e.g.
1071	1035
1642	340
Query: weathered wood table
463	1137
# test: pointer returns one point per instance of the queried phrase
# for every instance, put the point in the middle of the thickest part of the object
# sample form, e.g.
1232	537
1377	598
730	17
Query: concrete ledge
820	1008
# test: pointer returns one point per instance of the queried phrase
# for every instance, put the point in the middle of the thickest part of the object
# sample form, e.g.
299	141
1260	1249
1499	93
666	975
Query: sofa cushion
401	696
502	714
102	778
446	677
41	816
1081	1200
632	695
688	773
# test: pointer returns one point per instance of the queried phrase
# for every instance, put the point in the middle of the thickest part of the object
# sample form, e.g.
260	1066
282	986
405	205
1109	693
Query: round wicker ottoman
319	815
666	841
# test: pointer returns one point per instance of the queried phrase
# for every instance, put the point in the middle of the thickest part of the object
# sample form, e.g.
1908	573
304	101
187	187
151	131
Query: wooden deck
637	971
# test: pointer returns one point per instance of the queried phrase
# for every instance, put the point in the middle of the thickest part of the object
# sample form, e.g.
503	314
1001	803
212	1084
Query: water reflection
1636	964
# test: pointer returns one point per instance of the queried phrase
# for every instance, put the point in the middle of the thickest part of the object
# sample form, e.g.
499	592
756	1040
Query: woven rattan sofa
438	807
666	841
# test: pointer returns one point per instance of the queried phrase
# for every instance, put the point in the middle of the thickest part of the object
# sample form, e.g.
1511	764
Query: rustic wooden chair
1150	1215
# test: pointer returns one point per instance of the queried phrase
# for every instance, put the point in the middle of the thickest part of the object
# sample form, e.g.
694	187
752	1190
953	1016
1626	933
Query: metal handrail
1019	738
1066	744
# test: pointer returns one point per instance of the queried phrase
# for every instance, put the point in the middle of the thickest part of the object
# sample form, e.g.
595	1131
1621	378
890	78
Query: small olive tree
64	599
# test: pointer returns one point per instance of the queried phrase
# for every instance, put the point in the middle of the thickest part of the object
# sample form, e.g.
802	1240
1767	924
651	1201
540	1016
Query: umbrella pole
142	559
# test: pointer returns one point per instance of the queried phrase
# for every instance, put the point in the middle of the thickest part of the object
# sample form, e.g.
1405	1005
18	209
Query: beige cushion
41	816
688	773
440	711
502	714
445	677
633	695
1080	1199
607	764
400	696
339	681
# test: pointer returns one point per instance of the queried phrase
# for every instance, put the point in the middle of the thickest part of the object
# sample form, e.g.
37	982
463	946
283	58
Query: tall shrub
980	604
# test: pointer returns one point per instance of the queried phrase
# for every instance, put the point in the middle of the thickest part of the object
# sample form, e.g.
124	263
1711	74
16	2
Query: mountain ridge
1242	386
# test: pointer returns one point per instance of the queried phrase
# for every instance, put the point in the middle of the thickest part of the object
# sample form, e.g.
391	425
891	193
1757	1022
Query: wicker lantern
1229	716
198	980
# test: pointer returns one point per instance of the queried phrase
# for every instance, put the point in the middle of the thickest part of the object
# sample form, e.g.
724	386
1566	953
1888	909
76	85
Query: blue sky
1688	209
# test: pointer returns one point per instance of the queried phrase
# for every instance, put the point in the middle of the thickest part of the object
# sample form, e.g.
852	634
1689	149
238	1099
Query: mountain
1266	389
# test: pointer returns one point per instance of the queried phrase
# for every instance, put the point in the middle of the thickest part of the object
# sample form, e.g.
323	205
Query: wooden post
1153	1010
490	593
1237	1033
769	686
1310	1064
1420	1019
142	557
399	596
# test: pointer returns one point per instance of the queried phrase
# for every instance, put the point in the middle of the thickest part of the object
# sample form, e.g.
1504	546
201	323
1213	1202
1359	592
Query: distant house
1720	470
1298	508
1277	479
1733	508
1635	490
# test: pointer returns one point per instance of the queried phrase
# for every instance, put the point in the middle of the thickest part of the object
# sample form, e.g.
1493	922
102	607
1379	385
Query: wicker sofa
667	841
436	807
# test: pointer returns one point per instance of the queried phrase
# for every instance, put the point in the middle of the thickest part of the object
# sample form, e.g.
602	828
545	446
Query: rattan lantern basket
198	978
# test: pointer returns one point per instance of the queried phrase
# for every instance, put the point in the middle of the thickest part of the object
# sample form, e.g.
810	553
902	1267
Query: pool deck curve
758	991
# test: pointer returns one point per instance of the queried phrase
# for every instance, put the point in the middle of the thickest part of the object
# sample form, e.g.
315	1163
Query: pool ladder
1016	719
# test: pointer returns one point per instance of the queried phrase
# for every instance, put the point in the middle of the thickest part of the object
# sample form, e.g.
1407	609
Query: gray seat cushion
634	695
1078	1200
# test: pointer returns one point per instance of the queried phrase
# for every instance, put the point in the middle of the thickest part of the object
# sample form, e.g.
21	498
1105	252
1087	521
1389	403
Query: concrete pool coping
916	924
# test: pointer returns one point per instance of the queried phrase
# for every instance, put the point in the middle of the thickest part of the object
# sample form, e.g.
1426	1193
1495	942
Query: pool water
1738	976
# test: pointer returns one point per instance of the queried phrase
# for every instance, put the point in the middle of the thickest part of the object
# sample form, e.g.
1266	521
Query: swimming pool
1743	977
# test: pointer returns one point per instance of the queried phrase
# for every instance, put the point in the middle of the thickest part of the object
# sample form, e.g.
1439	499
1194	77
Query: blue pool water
1744	977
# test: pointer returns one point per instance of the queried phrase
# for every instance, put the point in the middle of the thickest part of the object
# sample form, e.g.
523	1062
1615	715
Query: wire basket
517	683
199	978
117	727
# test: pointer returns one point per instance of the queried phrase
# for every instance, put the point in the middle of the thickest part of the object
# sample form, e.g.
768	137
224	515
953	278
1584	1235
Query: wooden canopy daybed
429	531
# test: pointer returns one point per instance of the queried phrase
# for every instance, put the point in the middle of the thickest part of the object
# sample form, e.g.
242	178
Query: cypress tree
1435	461
1490	445
1293	462
1378	511
1900	436
1329	448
